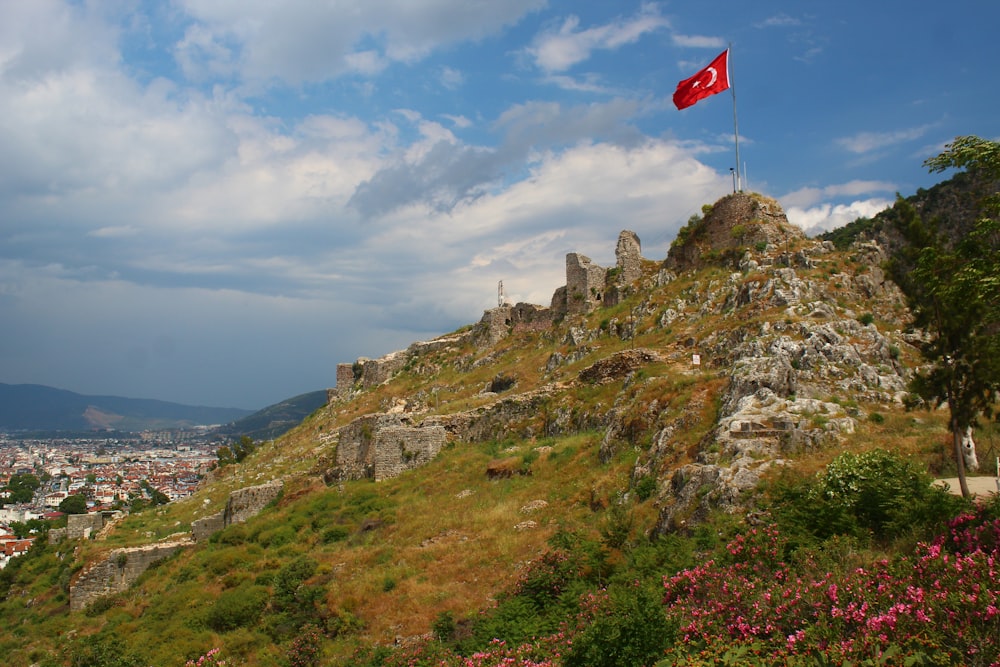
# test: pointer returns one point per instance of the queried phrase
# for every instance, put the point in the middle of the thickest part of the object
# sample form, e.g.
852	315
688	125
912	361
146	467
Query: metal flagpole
736	127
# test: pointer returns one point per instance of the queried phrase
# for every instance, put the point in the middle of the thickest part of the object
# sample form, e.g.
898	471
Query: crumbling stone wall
242	504
204	528
378	371
117	572
245	503
401	448
381	446
585	282
628	256
345	378
498	323
79	526
83	525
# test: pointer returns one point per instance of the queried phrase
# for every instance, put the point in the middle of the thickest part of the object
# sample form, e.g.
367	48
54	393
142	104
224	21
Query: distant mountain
276	419
32	407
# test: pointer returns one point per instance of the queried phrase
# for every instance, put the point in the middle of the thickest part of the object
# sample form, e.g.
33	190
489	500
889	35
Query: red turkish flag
709	81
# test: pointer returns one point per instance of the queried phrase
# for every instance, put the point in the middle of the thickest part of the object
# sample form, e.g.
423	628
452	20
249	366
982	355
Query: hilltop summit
729	226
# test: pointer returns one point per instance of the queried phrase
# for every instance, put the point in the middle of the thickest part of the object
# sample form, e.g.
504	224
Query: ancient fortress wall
381	446
242	504
117	572
401	448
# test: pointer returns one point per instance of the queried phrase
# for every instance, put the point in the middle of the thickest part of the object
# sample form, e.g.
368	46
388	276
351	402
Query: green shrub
237	608
276	537
289	579
103	650
335	534
630	628
645	488
876	494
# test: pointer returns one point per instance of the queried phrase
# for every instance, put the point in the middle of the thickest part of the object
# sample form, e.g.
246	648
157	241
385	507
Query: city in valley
44	478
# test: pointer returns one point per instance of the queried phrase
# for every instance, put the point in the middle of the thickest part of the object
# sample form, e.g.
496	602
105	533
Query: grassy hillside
435	563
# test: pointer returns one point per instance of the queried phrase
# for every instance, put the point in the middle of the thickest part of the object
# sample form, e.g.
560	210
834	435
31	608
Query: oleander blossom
866	614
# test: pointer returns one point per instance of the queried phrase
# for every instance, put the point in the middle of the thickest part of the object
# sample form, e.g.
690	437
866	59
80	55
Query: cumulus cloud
441	172
866	142
824	217
303	41
558	50
805	197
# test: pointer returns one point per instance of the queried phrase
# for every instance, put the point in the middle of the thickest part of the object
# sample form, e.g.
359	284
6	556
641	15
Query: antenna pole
736	126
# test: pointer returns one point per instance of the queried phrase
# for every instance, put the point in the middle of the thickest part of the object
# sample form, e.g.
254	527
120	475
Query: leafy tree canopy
22	487
73	504
952	286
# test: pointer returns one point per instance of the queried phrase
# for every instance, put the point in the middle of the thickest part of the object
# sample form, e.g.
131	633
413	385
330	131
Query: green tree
156	497
22	487
952	285
74	504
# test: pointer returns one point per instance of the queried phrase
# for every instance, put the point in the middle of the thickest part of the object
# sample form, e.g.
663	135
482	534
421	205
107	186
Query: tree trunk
956	436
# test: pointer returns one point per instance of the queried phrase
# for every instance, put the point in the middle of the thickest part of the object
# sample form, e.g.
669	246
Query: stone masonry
498	323
381	446
117	572
585	283
628	254
242	504
401	448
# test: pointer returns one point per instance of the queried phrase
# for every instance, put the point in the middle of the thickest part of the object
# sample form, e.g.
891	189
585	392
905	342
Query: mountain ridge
34	407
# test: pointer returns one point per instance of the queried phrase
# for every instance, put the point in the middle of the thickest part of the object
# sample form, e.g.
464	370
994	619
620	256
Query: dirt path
978	486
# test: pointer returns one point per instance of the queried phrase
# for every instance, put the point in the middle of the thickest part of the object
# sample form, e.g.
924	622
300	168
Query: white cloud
589	83
460	122
452	78
558	50
824	217
778	21
576	200
301	41
698	41
865	142
808	196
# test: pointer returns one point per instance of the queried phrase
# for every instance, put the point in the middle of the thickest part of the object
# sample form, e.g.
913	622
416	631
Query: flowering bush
934	604
305	648
210	659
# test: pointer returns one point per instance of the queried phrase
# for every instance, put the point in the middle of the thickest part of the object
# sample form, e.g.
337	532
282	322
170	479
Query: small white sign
696	359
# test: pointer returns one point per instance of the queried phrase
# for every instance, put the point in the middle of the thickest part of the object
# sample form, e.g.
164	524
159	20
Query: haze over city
215	203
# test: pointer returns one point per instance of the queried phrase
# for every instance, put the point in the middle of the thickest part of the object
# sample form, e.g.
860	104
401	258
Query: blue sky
215	203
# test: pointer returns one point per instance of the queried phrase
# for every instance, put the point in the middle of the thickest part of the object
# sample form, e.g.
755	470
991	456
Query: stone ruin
381	446
118	571
83	526
588	286
242	504
122	567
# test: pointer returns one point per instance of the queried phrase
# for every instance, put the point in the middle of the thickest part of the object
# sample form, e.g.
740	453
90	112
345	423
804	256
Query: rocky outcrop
617	365
735	222
775	404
